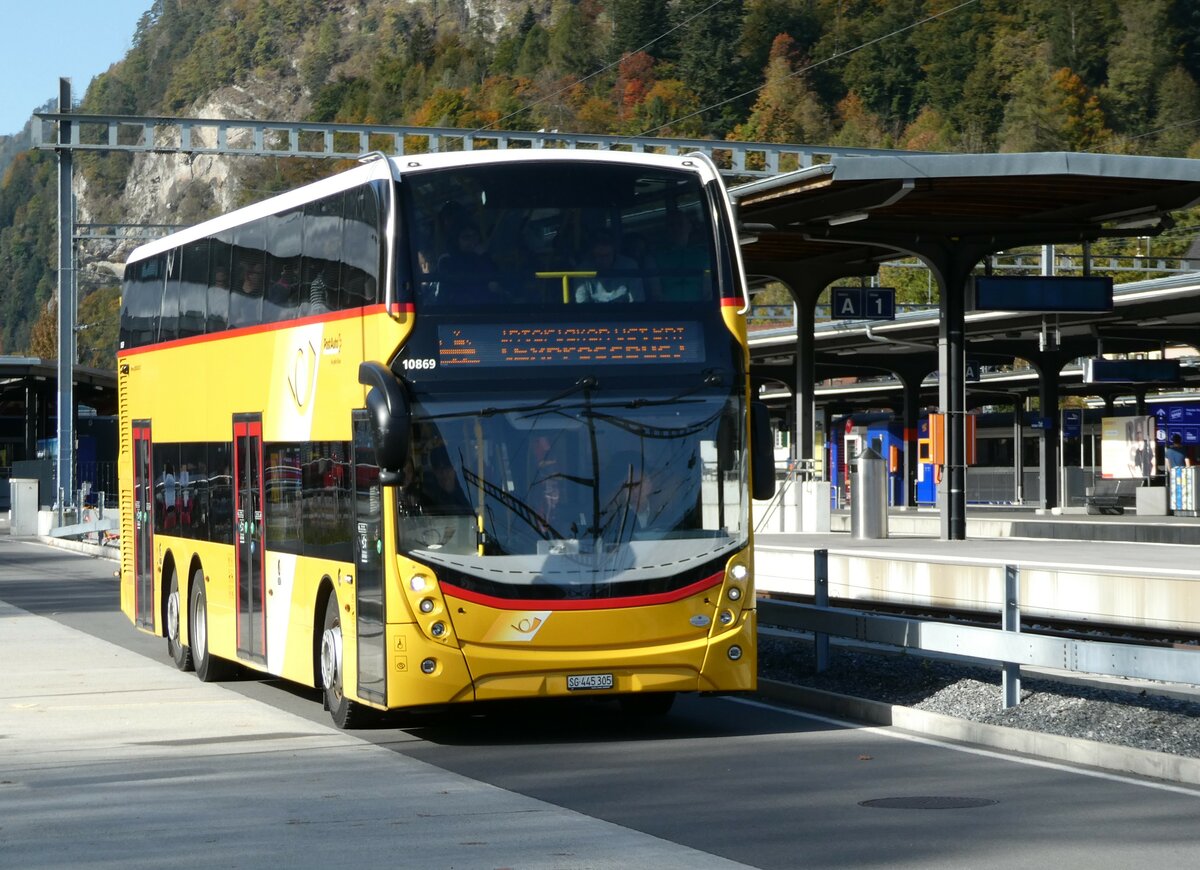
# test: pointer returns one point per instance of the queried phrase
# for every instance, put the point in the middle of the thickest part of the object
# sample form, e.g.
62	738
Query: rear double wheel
180	654
345	713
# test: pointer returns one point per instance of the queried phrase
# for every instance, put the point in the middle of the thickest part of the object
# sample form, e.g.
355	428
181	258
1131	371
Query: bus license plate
589	681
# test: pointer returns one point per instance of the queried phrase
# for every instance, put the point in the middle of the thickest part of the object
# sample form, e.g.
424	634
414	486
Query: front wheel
209	668
180	654
345	713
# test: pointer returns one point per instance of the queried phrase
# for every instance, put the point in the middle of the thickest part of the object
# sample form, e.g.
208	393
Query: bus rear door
249	556
143	526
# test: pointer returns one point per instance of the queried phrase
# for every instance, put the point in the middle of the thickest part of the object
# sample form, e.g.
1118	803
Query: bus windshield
599	491
553	233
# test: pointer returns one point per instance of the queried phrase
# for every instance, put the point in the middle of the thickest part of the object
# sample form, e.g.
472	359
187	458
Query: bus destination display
569	344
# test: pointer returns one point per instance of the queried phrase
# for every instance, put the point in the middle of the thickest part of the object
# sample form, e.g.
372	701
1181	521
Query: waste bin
868	496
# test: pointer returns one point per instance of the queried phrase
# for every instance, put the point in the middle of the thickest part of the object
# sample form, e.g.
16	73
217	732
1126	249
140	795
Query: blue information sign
1072	423
864	303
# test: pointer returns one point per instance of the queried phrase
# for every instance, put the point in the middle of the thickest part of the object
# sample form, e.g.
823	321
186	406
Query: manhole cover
927	803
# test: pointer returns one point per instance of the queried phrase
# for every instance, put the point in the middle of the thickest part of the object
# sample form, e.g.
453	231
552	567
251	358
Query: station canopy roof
895	202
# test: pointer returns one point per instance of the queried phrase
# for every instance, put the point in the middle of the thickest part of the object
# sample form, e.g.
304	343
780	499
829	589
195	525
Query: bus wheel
180	654
648	704
345	713
209	668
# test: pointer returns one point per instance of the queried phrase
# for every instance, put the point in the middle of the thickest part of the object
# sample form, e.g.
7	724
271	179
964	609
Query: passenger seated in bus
245	305
283	296
317	301
467	274
617	276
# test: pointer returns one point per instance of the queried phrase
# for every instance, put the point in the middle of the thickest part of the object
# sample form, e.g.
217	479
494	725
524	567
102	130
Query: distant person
1176	454
245	303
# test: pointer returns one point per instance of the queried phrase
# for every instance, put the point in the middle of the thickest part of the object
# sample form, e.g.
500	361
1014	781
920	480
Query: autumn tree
43	337
786	109
99	321
860	127
1058	114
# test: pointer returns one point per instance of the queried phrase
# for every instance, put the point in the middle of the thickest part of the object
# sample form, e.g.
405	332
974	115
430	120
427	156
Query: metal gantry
61	130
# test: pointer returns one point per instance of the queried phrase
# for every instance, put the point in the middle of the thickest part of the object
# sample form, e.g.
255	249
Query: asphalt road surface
110	757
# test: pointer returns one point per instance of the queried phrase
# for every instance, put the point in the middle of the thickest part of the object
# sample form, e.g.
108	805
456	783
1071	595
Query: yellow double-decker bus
449	428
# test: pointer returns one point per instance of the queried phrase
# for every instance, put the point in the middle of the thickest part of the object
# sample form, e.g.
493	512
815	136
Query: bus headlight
428	666
417	582
426	605
437	629
735	592
735	653
726	617
739	572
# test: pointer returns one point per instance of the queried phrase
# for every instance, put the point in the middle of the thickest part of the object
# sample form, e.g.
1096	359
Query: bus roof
400	166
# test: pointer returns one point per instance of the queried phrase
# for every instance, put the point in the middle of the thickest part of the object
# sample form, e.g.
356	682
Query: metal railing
1008	646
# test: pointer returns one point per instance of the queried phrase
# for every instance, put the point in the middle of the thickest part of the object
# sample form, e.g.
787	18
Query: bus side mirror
390	418
762	453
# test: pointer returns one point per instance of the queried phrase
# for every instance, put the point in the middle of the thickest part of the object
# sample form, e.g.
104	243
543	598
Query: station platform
1107	570
1072	524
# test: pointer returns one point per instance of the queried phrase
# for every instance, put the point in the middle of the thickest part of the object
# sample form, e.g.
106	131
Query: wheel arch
325	591
164	589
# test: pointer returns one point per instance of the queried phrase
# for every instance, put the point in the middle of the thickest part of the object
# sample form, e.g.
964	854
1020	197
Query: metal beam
159	135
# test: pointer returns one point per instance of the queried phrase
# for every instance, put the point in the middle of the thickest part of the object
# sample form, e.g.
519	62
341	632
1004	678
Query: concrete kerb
1050	747
98	551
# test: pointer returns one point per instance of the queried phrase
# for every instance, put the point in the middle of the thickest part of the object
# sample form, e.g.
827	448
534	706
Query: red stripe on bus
329	317
583	603
732	302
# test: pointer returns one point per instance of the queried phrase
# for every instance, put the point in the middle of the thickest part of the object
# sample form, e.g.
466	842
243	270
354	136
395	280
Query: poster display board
1127	447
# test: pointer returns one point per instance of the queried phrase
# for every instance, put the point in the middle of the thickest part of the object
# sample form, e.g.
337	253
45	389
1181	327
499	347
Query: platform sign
1049	293
1181	420
863	303
1072	423
1130	371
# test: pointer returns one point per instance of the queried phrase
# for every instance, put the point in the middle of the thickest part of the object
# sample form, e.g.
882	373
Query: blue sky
46	39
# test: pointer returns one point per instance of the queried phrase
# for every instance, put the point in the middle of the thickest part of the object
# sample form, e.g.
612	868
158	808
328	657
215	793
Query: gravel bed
1140	719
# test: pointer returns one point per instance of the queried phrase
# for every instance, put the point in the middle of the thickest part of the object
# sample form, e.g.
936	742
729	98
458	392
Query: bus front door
143	526
249	537
368	558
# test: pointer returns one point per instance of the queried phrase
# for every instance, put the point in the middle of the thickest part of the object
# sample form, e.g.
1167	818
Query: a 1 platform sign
864	303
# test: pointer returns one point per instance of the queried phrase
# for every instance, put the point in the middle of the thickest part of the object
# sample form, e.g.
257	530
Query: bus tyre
345	713
209	668
180	654
648	704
